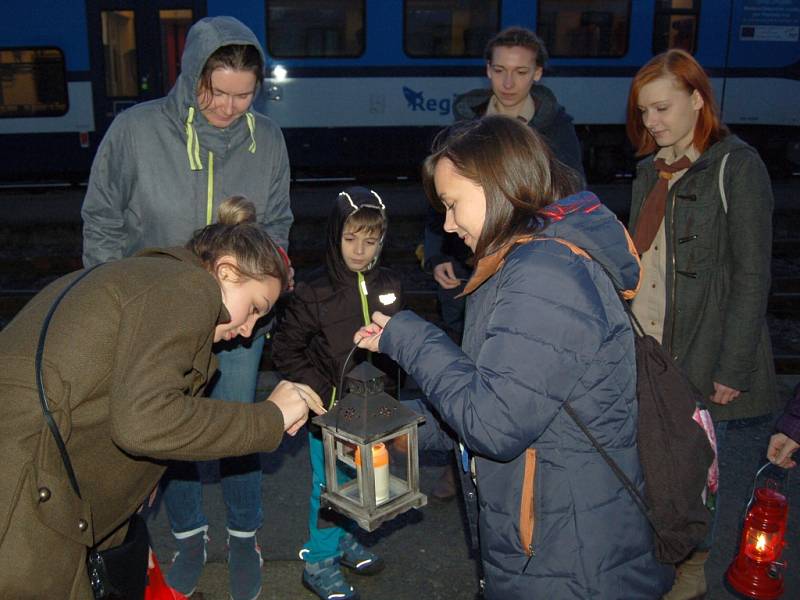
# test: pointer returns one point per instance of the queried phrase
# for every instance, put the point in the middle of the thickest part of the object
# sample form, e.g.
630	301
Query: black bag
118	573
674	450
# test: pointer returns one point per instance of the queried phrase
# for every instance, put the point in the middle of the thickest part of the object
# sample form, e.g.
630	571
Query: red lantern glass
756	572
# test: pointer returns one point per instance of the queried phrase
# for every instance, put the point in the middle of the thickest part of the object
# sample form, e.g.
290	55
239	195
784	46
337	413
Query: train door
135	50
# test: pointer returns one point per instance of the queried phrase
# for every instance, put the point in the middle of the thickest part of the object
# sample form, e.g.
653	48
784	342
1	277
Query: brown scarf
655	204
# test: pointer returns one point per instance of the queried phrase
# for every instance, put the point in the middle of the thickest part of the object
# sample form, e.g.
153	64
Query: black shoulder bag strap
638	331
48	416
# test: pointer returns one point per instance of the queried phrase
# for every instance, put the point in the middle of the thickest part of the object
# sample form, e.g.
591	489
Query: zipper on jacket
527	517
210	189
362	295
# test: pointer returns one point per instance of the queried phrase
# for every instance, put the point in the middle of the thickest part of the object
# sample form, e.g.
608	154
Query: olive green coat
718	274
128	352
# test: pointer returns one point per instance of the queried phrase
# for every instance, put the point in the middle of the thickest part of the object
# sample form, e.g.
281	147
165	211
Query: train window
584	27
174	25
33	82
675	25
119	50
449	27
306	28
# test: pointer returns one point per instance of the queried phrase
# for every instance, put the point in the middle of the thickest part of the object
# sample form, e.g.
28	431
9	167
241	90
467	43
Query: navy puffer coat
545	326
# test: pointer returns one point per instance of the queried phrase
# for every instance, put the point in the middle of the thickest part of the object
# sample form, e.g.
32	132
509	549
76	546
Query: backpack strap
721	182
638	331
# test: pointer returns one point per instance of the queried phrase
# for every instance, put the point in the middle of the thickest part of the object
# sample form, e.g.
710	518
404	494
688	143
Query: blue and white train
360	86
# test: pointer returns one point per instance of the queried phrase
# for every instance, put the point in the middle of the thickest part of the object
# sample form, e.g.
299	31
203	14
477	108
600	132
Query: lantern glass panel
347	472
762	546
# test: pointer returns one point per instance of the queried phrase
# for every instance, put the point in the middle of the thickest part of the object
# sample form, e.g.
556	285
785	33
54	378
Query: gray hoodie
162	169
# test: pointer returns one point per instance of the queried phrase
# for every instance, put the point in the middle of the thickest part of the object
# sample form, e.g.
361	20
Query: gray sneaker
188	562
244	567
325	579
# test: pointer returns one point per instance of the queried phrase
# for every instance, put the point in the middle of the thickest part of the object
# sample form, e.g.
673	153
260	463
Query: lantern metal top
367	413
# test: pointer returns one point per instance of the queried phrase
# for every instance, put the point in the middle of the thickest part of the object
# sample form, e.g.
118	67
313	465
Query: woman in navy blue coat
544	326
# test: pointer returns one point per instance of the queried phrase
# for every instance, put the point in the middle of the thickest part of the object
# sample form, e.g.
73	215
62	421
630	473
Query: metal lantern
371	452
756	571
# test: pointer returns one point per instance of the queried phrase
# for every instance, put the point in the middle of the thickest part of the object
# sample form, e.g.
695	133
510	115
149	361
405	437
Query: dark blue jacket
544	328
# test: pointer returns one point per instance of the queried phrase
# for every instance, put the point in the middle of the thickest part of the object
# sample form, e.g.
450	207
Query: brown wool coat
128	353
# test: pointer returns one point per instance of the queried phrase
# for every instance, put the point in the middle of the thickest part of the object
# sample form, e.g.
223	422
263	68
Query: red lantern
756	571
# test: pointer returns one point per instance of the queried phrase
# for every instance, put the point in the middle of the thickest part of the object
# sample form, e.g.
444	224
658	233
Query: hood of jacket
347	202
582	220
204	38
473	104
585	224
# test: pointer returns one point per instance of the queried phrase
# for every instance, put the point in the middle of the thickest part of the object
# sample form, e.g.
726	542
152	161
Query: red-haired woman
701	218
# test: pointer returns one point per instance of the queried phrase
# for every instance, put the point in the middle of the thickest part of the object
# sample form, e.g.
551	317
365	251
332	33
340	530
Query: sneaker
244	567
357	558
325	579
188	561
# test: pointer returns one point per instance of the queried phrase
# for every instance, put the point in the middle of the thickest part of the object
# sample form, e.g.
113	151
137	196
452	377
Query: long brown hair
513	165
238	234
686	72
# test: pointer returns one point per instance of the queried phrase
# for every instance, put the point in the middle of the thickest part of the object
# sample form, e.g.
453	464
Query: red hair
687	73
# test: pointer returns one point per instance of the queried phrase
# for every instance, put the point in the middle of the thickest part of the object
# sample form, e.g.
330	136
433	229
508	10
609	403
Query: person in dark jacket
127	356
515	61
161	171
312	344
701	219
544	327
785	443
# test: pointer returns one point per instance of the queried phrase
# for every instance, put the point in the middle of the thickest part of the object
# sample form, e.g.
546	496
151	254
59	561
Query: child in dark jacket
311	346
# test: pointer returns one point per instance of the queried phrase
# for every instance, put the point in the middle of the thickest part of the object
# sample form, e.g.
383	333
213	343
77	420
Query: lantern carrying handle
755	482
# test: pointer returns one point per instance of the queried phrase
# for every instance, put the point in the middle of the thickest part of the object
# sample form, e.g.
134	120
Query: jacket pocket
527	516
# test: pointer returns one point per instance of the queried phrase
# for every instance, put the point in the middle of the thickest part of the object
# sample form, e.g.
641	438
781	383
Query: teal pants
322	543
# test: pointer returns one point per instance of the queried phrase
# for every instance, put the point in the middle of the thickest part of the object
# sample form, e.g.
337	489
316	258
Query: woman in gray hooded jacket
160	173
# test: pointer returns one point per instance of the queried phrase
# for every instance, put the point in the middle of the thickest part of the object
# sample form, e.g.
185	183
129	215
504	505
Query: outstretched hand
294	401
781	448
369	336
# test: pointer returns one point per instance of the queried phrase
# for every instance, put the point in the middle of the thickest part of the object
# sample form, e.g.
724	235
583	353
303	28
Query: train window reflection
449	27
584	27
675	25
306	28
174	25
33	82
119	50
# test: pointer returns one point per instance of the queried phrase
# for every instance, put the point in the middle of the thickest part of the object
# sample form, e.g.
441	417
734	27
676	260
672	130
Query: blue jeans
241	475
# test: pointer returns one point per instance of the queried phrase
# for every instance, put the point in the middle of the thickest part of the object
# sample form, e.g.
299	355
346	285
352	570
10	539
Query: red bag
157	588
